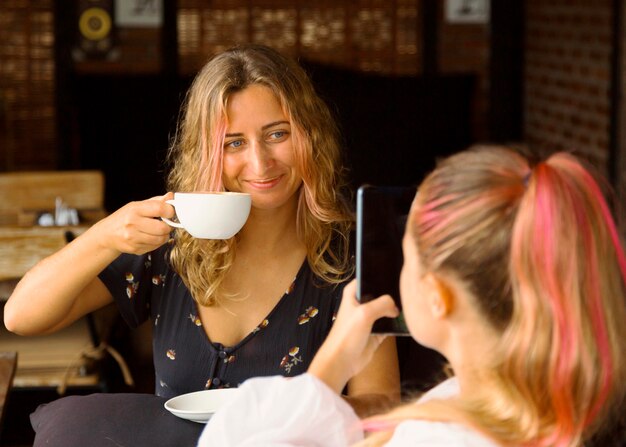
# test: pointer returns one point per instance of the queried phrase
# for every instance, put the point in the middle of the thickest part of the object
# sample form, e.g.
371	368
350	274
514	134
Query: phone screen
381	217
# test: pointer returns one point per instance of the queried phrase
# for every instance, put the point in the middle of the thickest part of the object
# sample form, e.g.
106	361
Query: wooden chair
25	195
46	360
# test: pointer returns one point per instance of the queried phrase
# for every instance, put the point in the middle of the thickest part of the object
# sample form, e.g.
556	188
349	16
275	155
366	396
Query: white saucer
199	406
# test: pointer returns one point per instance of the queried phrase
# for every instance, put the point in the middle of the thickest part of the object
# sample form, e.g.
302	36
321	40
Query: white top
303	411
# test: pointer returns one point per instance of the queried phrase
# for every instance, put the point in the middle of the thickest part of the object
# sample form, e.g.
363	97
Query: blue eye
236	144
278	135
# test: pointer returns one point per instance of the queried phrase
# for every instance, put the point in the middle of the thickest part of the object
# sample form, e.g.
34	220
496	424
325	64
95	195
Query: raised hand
350	345
136	227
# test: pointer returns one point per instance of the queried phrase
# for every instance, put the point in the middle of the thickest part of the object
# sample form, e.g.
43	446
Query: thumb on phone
350	345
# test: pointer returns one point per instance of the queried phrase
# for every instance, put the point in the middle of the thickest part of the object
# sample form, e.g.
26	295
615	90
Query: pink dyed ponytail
566	338
539	251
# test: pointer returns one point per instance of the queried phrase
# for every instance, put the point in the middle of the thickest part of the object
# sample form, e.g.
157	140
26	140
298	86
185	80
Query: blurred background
98	84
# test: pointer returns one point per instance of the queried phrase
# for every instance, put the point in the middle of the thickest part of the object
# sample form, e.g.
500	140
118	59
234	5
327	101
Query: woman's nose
260	156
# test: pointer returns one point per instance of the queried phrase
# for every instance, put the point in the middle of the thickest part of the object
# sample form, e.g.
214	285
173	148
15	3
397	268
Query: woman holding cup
223	310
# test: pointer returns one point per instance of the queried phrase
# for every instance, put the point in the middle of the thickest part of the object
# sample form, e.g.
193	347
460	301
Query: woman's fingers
156	207
382	306
153	227
137	226
350	345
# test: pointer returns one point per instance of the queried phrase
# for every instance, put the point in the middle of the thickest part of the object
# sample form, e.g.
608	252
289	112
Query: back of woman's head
539	250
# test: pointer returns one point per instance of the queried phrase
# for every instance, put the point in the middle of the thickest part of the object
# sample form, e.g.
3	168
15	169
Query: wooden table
8	364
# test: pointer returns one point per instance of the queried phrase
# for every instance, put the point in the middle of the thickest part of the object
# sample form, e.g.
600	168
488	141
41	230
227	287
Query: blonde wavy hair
538	247
324	218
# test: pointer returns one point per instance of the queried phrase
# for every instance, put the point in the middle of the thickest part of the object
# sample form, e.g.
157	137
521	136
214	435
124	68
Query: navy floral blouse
185	360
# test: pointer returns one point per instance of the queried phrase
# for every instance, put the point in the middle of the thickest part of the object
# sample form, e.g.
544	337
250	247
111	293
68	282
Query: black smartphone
381	217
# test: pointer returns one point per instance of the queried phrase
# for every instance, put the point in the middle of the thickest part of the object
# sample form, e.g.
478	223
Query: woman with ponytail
516	274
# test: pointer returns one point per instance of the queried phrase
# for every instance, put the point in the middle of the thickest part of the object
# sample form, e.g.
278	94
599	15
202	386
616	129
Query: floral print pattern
309	313
195	319
291	359
283	342
132	286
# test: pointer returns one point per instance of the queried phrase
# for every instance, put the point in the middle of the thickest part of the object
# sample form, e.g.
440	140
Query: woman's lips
265	183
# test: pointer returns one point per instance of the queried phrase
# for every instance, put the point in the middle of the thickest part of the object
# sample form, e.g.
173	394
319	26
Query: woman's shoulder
433	433
421	432
444	390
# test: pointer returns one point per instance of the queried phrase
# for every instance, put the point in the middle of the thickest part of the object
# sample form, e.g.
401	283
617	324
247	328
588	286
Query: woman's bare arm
65	286
376	389
351	355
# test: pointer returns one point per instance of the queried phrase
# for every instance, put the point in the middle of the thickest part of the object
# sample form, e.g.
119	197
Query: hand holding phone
381	219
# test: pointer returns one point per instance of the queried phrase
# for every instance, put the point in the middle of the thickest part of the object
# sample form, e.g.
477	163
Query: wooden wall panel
365	35
27	113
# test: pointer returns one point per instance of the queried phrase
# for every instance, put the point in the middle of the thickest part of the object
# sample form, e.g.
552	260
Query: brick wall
567	77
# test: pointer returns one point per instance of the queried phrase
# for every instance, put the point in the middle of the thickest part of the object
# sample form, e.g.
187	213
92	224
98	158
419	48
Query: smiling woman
259	156
266	132
222	311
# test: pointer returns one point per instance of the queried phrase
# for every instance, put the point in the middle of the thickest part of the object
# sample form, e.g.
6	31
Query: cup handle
169	222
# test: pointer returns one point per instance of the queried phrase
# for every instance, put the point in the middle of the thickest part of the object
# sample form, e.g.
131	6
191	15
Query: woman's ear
440	297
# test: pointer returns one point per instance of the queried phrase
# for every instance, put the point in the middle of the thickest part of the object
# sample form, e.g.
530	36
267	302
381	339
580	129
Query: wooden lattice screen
382	36
370	35
27	110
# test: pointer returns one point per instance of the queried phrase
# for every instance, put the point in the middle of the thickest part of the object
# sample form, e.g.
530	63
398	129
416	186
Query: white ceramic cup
210	215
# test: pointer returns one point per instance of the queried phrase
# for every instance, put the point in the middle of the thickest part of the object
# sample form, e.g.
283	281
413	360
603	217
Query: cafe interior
90	95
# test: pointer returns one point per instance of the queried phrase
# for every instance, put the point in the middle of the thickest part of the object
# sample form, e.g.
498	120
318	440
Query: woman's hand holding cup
136	228
143	226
